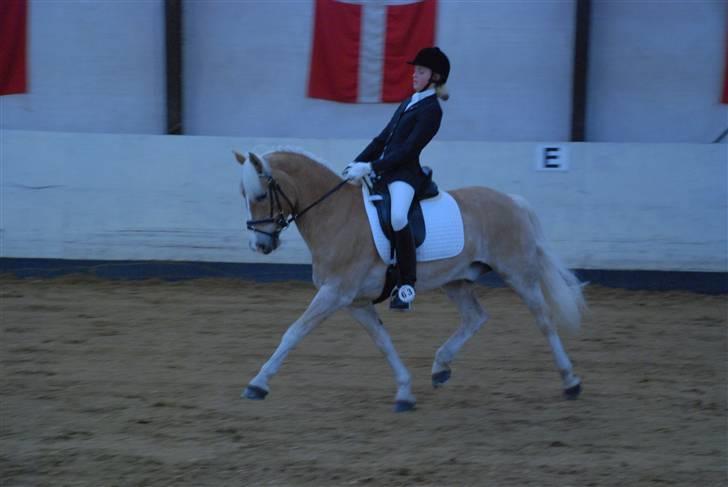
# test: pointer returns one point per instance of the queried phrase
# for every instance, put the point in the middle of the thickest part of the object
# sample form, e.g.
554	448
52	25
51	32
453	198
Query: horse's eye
260	198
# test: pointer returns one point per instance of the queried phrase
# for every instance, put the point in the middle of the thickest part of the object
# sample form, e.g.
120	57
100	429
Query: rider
394	156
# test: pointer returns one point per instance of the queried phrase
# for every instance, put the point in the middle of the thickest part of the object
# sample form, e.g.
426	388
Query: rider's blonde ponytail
442	92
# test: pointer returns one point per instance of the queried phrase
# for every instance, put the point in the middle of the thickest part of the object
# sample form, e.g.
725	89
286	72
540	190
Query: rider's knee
399	221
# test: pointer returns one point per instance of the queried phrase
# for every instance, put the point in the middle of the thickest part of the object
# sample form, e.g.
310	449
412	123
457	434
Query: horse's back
496	224
481	202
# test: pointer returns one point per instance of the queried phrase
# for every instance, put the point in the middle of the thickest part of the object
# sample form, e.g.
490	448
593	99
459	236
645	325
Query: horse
502	234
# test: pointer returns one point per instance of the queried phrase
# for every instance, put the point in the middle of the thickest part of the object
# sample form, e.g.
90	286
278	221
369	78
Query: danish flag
361	48
13	46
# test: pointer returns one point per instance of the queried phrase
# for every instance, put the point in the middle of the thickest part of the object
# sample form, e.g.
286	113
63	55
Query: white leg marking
368	318
473	317
324	304
537	304
562	361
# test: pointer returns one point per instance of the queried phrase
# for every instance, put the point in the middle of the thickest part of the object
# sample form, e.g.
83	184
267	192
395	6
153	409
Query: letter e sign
552	157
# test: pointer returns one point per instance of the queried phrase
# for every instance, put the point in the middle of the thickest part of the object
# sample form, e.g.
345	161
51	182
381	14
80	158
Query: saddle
382	202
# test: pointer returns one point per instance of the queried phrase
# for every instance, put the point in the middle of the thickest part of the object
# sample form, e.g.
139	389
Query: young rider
393	156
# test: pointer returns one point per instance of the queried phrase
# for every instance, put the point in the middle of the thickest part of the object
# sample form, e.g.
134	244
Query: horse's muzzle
264	244
264	248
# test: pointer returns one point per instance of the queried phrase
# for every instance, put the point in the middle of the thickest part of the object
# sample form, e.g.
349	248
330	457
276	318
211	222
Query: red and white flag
13	20
361	48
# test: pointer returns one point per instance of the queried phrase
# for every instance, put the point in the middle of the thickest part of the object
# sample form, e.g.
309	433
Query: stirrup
402	298
406	293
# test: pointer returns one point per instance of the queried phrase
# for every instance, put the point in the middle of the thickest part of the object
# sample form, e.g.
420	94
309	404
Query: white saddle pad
444	236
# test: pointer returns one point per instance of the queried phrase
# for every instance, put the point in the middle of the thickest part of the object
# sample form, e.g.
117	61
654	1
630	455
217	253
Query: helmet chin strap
428	85
432	82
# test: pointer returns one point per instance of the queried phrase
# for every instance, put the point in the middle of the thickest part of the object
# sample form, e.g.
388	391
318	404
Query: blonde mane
300	152
252	185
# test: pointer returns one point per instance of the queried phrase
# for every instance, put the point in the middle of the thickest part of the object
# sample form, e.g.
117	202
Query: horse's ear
239	157
257	163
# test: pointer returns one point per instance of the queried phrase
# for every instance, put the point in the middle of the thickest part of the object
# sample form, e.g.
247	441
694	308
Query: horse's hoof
572	392
255	393
439	379
403	406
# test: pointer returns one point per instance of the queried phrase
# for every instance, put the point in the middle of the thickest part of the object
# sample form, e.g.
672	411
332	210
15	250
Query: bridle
275	193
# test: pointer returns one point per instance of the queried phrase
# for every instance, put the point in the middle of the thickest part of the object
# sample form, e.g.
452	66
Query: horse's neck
320	225
336	229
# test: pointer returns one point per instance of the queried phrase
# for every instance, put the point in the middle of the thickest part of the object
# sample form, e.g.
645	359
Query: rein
275	192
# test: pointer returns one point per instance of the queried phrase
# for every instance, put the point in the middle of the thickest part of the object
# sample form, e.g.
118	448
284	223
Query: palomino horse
501	234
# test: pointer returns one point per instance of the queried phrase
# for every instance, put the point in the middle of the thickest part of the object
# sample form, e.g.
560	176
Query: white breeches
401	195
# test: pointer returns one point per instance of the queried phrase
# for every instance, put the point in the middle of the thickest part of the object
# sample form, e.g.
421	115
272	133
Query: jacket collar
419	99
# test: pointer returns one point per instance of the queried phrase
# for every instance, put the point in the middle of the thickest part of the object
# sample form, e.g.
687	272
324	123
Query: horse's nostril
264	248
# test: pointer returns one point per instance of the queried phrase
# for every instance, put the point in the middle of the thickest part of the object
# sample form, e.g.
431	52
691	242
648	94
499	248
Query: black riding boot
403	295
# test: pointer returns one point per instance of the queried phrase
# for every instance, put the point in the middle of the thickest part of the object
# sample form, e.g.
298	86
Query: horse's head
269	205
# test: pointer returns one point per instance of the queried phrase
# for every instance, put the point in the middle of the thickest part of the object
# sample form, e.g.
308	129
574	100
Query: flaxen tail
561	288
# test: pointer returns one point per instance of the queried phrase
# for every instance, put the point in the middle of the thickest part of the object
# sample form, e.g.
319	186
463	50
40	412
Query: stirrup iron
406	293
402	298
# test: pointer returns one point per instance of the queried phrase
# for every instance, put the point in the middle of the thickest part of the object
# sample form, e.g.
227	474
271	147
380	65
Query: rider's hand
357	170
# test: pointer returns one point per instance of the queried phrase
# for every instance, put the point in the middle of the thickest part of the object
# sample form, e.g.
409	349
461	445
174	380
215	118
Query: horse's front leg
368	318
327	301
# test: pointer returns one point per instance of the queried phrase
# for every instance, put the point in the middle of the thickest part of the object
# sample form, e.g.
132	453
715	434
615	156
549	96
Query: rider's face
421	77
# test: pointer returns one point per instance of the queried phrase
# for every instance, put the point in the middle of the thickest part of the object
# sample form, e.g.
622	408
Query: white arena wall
176	198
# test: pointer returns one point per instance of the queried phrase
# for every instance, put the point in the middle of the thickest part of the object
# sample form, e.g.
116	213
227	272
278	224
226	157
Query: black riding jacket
395	153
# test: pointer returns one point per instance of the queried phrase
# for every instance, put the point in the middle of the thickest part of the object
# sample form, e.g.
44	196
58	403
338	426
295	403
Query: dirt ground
137	383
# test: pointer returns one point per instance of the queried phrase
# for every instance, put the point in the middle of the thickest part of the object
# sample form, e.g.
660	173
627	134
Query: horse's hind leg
368	318
473	317
534	299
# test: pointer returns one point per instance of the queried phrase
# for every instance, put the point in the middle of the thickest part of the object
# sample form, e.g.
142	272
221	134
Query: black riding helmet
435	59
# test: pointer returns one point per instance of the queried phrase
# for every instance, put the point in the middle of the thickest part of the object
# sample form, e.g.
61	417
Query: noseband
275	193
